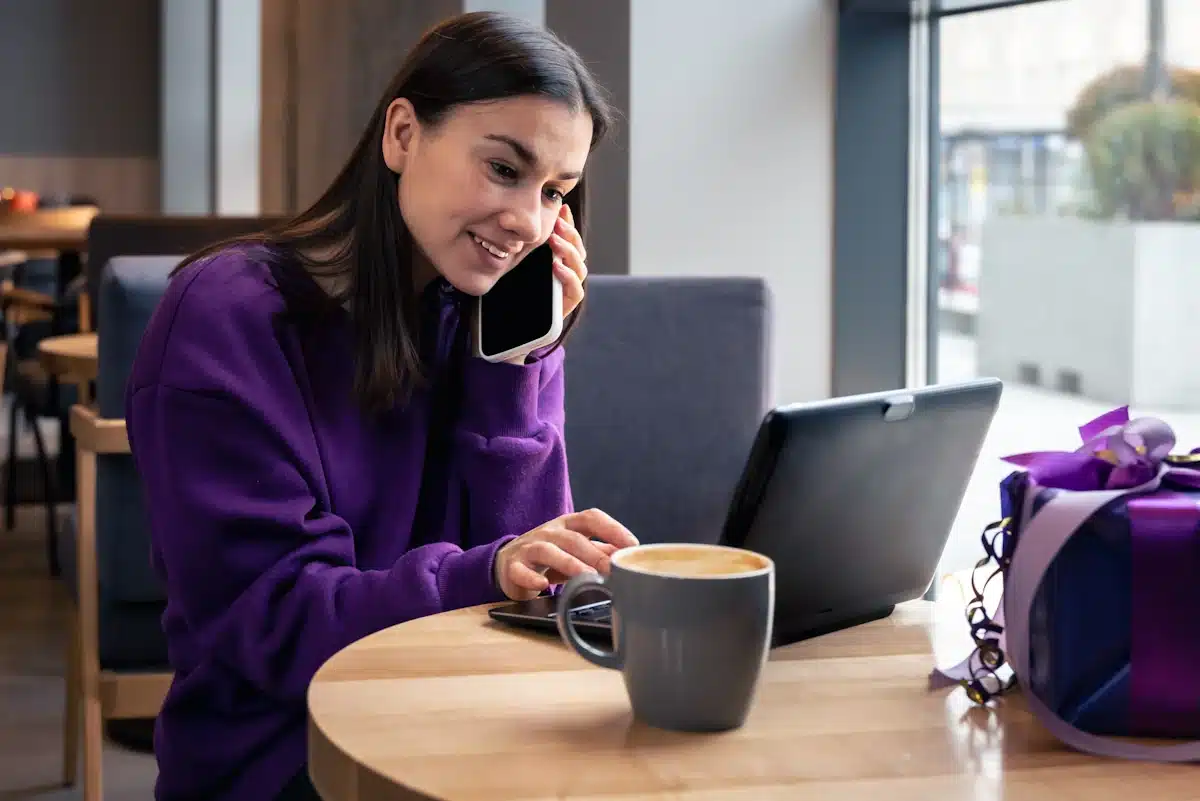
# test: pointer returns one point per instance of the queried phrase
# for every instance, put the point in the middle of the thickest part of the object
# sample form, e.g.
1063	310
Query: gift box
1099	623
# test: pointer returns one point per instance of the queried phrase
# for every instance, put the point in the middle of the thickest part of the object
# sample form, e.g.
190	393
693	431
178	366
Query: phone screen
518	308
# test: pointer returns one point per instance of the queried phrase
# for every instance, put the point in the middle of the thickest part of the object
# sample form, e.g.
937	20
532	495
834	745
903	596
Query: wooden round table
46	229
71	357
456	707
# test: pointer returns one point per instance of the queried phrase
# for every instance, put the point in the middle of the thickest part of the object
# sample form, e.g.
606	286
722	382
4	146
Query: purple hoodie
285	522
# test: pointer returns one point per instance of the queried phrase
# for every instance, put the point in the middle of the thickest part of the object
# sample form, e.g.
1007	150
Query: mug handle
611	659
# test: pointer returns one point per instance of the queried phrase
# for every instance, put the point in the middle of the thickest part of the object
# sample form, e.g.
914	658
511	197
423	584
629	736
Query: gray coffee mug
691	631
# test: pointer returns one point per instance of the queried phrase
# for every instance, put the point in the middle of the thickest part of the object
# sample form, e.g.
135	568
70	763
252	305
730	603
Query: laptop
853	498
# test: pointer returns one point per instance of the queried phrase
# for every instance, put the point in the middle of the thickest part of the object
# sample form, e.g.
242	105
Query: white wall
211	67
532	10
731	160
238	110
186	130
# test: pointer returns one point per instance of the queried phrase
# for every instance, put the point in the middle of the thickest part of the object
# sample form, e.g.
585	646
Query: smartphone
522	311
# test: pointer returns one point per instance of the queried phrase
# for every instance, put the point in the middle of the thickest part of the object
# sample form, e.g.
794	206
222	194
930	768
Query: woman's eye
554	195
503	171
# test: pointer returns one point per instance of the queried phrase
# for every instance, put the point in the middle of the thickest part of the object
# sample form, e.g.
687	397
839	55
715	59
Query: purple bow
1117	453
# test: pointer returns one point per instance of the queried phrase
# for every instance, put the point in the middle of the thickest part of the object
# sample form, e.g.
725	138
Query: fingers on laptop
581	542
561	555
601	526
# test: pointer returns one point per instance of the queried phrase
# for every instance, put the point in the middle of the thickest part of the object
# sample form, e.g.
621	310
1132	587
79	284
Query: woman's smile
490	254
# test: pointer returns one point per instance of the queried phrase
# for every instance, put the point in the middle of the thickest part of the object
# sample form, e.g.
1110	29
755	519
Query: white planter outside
1111	309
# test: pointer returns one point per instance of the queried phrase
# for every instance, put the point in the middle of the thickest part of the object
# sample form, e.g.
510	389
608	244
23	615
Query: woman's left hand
570	259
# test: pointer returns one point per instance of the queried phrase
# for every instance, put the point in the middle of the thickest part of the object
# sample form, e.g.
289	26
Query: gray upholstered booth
118	662
112	235
130	597
666	384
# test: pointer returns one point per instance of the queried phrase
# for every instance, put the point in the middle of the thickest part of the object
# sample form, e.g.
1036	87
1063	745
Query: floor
32	636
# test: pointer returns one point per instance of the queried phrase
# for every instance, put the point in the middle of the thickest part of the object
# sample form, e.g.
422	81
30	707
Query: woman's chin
470	282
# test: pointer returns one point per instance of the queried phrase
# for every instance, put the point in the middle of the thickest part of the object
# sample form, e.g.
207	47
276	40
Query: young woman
321	455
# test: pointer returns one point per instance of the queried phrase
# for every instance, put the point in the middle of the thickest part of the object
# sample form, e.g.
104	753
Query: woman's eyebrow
526	154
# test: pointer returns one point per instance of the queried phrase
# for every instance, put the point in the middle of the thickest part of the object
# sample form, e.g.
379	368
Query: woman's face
483	188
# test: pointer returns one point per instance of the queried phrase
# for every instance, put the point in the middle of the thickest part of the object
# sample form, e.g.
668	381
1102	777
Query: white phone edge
556	310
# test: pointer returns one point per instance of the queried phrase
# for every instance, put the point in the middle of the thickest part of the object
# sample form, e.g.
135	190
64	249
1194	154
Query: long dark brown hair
356	224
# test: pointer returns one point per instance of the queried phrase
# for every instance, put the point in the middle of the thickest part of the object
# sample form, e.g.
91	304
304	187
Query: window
1063	266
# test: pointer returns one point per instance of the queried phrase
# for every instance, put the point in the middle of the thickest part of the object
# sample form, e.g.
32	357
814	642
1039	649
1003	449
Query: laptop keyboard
600	612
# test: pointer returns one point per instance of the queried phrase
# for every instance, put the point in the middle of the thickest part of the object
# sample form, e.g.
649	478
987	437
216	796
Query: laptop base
540	614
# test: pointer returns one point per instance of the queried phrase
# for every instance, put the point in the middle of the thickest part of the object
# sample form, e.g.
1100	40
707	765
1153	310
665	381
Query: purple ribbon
1164	698
1121	459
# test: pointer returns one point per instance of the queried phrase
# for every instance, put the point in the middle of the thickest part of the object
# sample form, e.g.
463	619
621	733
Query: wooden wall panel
325	65
124	185
600	32
275	130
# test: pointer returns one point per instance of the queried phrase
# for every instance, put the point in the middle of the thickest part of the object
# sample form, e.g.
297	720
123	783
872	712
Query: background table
48	229
64	230
456	707
72	358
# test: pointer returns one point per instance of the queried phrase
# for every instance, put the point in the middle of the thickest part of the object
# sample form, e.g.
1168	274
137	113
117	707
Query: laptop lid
854	498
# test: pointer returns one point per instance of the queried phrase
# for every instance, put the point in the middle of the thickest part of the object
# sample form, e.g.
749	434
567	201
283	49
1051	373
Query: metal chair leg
48	495
10	470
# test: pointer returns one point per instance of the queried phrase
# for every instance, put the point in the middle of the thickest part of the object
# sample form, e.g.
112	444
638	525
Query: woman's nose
523	219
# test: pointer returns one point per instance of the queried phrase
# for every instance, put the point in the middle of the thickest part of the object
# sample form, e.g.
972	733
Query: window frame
886	157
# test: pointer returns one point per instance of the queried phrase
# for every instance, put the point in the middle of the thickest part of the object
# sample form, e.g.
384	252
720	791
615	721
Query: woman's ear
399	125
576	200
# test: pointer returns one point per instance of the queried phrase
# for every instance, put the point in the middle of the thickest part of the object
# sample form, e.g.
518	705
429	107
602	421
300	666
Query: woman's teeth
490	248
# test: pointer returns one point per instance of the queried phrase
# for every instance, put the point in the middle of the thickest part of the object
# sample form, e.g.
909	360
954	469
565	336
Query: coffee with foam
691	561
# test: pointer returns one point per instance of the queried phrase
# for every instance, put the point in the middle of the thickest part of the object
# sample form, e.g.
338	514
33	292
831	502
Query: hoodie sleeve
511	455
262	572
265	578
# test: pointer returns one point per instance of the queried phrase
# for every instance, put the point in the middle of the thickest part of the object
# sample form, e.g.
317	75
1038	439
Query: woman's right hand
555	551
